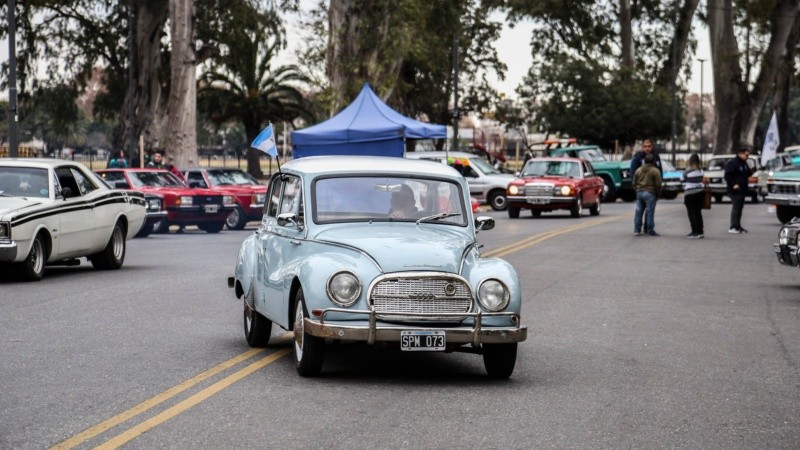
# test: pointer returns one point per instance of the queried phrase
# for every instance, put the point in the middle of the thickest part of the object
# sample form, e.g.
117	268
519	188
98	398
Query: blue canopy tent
368	126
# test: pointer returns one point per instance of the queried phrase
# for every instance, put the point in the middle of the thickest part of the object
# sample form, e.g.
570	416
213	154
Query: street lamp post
702	112
13	138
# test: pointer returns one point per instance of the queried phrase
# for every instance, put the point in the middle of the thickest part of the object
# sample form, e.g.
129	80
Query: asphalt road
634	342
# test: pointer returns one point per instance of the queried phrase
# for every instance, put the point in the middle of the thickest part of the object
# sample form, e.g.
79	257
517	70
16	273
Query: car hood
177	191
554	180
791	175
240	189
10	205
405	246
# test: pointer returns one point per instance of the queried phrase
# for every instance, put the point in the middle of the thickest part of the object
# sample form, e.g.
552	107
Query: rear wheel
513	212
718	198
499	360
257	328
497	200
595	209
112	257
32	269
237	219
308	350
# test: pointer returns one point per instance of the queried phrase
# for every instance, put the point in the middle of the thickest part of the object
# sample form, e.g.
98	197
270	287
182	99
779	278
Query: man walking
647	182
737	173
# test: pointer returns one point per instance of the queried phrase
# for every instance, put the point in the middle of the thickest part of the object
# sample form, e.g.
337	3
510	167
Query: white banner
771	142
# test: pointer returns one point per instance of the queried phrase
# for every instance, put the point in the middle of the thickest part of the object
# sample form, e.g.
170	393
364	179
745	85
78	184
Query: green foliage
52	114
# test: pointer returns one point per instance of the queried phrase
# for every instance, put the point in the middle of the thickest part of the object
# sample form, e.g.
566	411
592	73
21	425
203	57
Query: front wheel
497	200
212	227
309	350
513	212
499	360
577	208
112	257
237	219
718	198
32	269
786	213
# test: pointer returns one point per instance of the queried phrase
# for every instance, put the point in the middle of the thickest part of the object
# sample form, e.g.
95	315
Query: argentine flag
265	141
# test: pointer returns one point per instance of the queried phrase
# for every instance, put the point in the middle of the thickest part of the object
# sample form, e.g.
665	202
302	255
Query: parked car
376	250
783	191
715	173
550	184
788	248
671	184
53	212
247	193
154	209
486	183
778	162
204	208
794	153
615	174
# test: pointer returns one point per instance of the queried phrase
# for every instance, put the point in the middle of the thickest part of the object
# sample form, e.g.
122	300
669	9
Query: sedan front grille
534	190
415	297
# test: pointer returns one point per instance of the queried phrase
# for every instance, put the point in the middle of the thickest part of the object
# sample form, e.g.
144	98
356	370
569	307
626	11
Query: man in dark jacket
638	158
737	172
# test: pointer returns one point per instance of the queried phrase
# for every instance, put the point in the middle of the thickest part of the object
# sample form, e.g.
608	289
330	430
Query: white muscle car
54	212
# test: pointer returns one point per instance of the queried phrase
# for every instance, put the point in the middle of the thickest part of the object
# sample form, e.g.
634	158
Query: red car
204	208
248	194
549	184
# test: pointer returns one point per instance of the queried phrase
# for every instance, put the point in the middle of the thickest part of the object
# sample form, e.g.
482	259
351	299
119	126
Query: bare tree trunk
783	86
683	28
737	110
144	90
182	106
626	36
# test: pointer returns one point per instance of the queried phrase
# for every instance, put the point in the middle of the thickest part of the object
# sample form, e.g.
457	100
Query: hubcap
119	243
233	218
298	331
38	256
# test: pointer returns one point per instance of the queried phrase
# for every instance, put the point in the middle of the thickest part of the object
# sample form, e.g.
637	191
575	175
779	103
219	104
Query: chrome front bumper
784	199
390	332
8	251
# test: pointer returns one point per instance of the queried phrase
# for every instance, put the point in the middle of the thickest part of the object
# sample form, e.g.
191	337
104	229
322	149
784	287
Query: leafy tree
241	85
52	114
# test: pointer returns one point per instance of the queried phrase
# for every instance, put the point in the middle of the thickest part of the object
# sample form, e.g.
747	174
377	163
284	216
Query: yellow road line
153	401
173	411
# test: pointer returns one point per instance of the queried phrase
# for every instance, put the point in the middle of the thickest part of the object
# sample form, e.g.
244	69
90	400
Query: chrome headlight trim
227	200
513	189
185	200
343	288
154	204
493	295
5	231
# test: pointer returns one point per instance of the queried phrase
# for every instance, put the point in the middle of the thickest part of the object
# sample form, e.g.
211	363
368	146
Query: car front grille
785	188
533	190
208	199
421	297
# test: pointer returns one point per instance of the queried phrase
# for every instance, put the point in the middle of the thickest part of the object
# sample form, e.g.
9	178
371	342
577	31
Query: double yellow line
169	413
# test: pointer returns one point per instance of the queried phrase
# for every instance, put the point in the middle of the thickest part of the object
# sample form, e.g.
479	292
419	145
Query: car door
77	234
280	245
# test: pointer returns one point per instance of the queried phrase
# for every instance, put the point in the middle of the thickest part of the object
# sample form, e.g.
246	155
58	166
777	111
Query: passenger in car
403	203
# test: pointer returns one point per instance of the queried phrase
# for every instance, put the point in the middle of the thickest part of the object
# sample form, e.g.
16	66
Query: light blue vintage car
376	250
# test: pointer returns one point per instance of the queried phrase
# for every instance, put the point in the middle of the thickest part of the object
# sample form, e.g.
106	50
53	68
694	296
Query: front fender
477	270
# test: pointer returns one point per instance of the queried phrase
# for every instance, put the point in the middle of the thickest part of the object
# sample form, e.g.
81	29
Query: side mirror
285	219
484	223
66	193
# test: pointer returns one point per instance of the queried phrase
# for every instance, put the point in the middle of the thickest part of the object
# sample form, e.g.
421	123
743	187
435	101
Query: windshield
155	179
367	199
666	166
24	182
536	168
591	154
480	164
230	177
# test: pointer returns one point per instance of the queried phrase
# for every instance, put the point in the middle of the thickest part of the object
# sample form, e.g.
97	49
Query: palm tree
241	85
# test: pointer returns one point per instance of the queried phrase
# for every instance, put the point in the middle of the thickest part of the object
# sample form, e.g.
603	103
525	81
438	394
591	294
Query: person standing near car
737	173
638	157
693	195
647	182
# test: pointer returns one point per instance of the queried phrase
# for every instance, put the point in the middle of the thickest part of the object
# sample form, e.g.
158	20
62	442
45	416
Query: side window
271	206
292	196
196	177
587	169
85	184
67	180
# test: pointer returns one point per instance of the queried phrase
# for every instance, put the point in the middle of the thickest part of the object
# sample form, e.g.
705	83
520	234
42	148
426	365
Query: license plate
538	201
211	209
419	340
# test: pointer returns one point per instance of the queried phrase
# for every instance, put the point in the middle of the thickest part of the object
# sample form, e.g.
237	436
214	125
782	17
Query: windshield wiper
438	216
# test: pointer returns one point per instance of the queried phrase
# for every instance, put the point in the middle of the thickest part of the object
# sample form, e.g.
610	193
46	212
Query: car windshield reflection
552	168
229	177
364	199
24	182
155	179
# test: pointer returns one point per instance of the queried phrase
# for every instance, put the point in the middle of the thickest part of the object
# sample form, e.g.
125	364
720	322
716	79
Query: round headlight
493	295
783	236
513	190
344	288
154	204
565	190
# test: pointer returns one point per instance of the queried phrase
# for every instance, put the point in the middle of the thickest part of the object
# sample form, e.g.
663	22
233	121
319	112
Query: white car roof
368	164
441	154
42	163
